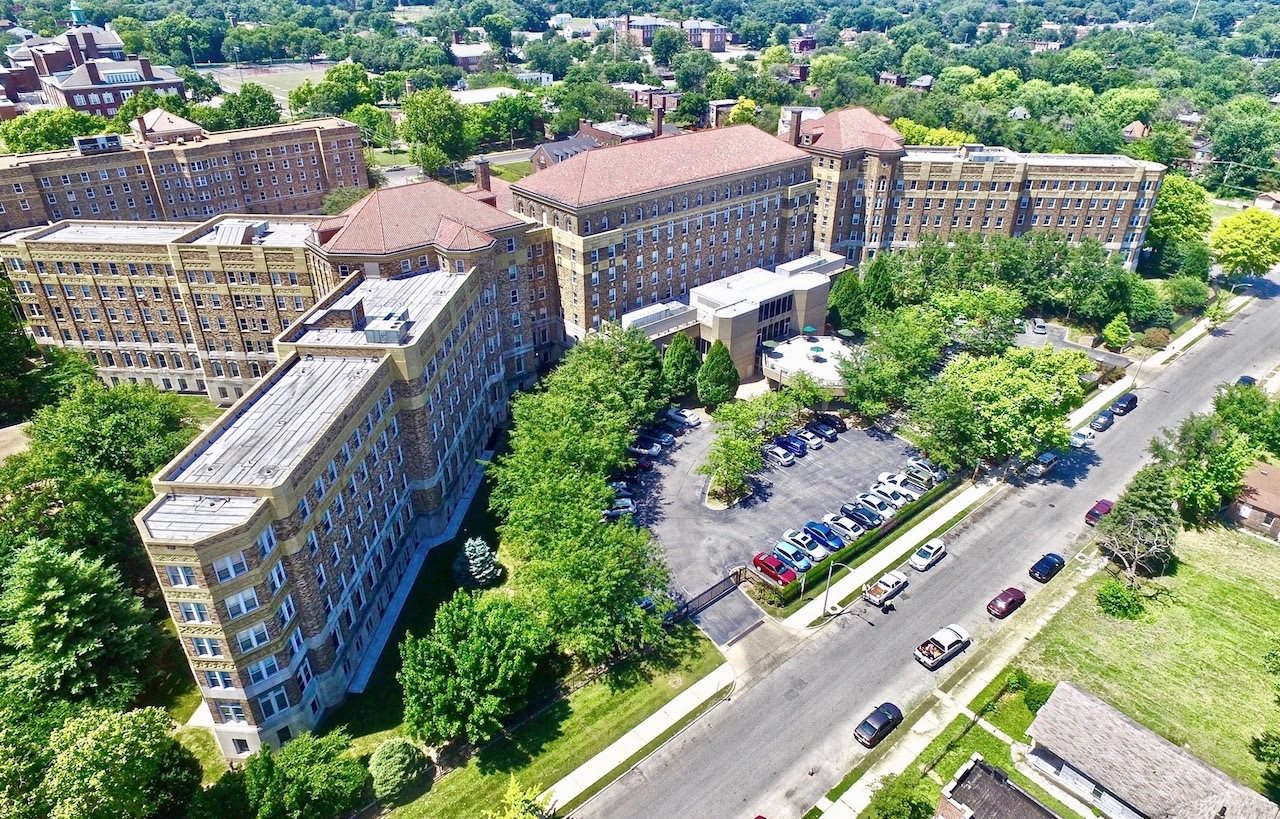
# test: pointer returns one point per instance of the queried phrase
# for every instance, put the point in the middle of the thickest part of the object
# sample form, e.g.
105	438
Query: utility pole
191	45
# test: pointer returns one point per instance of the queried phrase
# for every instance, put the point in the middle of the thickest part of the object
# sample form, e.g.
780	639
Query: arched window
586	227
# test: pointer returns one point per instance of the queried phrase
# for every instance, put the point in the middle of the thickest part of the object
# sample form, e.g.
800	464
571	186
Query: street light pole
827	590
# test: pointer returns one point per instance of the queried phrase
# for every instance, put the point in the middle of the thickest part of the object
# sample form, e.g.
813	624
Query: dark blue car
864	516
792	444
1047	567
824	535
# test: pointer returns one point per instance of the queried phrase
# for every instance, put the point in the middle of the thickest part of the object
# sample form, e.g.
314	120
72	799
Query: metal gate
720	588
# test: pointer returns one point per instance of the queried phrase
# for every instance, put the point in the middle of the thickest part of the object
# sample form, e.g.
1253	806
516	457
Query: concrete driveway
1057	336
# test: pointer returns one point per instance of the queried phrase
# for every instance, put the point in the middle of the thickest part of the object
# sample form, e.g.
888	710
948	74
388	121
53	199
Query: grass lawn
1218	212
384	157
953	748
171	685
1009	712
1195	656
377	713
200	742
199	407
513	171
569	732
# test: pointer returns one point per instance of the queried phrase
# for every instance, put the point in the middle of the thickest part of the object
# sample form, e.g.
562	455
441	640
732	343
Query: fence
704	599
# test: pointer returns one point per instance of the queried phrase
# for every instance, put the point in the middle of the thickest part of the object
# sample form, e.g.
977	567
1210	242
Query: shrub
1157	338
395	766
1019	680
1118	600
1037	694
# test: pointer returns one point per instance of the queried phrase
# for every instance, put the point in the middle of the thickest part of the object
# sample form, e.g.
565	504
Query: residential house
1127	771
797	72
983	791
802	45
923	83
640	28
551	153
1268	201
892	78
620	130
718	112
1257	507
469	56
1135	131
539	78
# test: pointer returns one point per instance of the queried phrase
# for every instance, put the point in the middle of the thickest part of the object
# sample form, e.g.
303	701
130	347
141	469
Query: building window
264	669
194	612
230	566
181	576
206	647
241	746
231	712
241	604
277	578
218	679
252	637
273	702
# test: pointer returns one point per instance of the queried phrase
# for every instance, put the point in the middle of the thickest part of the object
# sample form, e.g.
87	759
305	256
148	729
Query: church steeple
77	14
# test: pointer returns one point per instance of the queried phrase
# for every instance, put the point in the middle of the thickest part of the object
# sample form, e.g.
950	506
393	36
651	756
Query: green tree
429	157
1180	214
1117	333
845	309
310	778
432	117
733	458
110	765
1245	134
901	796
201	87
69	630
692	69
1207	458
472	671
26	727
744	111
48	129
15	359
1140	532
805	392
1186	294
775	55
498	28
514	118
143	102
717	378
396	765
375	123
476	565
340	199
520	802
984	319
667	43
899	348
1250	410
680	367
1246	243
224	799
251	107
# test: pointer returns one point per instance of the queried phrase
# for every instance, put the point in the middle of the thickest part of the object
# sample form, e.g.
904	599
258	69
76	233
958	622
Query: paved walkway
631	743
13	440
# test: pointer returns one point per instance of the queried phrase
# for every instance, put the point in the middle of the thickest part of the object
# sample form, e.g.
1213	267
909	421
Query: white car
890	493
939	474
946	643
810	439
652	450
814	550
681	417
903	484
844	527
801	539
928	554
1081	438
886	509
885	588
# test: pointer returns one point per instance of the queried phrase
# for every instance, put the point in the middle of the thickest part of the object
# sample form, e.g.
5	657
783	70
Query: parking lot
702	545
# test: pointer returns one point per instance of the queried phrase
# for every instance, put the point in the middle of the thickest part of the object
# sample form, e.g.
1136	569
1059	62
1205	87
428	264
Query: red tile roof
499	191
412	216
851	129
633	168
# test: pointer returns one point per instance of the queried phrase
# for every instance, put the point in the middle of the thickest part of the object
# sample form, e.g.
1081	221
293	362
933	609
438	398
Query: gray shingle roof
1138	765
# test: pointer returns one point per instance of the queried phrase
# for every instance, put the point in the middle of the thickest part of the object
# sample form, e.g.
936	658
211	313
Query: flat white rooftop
181	518
420	296
284	419
992	153
251	231
122	233
748	289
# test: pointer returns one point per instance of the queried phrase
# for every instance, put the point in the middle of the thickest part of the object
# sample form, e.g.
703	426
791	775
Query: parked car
652	450
889	493
939	474
778	456
771	567
921	476
864	516
1047	567
611	514
1006	603
680	416
881	506
625	504
658	436
878	724
671	427
946	643
622	490
824	535
793	445
885	588
1247	381
1043	464
1103	422
900	481
1125	404
1081	438
832	420
814	548
811	440
1098	511
845	527
822	430
928	555
802	539
1038	326
793	556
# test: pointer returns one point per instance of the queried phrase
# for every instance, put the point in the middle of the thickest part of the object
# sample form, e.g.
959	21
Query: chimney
457	37
796	121
73	45
482	173
140	124
659	114
144	65
90	45
92	69
41	65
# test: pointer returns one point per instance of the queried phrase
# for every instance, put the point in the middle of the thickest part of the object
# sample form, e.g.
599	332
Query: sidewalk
600	765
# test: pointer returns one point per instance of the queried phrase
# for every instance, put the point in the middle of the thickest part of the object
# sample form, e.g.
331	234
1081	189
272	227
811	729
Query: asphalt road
785	740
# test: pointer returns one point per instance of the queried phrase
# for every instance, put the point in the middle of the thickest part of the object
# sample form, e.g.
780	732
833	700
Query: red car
1098	511
1006	603
774	569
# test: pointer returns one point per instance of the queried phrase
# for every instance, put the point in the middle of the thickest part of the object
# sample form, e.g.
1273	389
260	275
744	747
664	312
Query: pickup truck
942	646
885	588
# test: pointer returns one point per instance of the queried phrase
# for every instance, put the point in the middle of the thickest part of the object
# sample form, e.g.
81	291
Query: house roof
128	71
464	50
987	792
701	25
634	168
160	121
1136	764
1262	484
498	196
562	149
416	215
852	129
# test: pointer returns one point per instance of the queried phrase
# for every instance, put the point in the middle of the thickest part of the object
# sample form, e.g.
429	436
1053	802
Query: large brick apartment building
643	222
280	535
276	169
875	193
